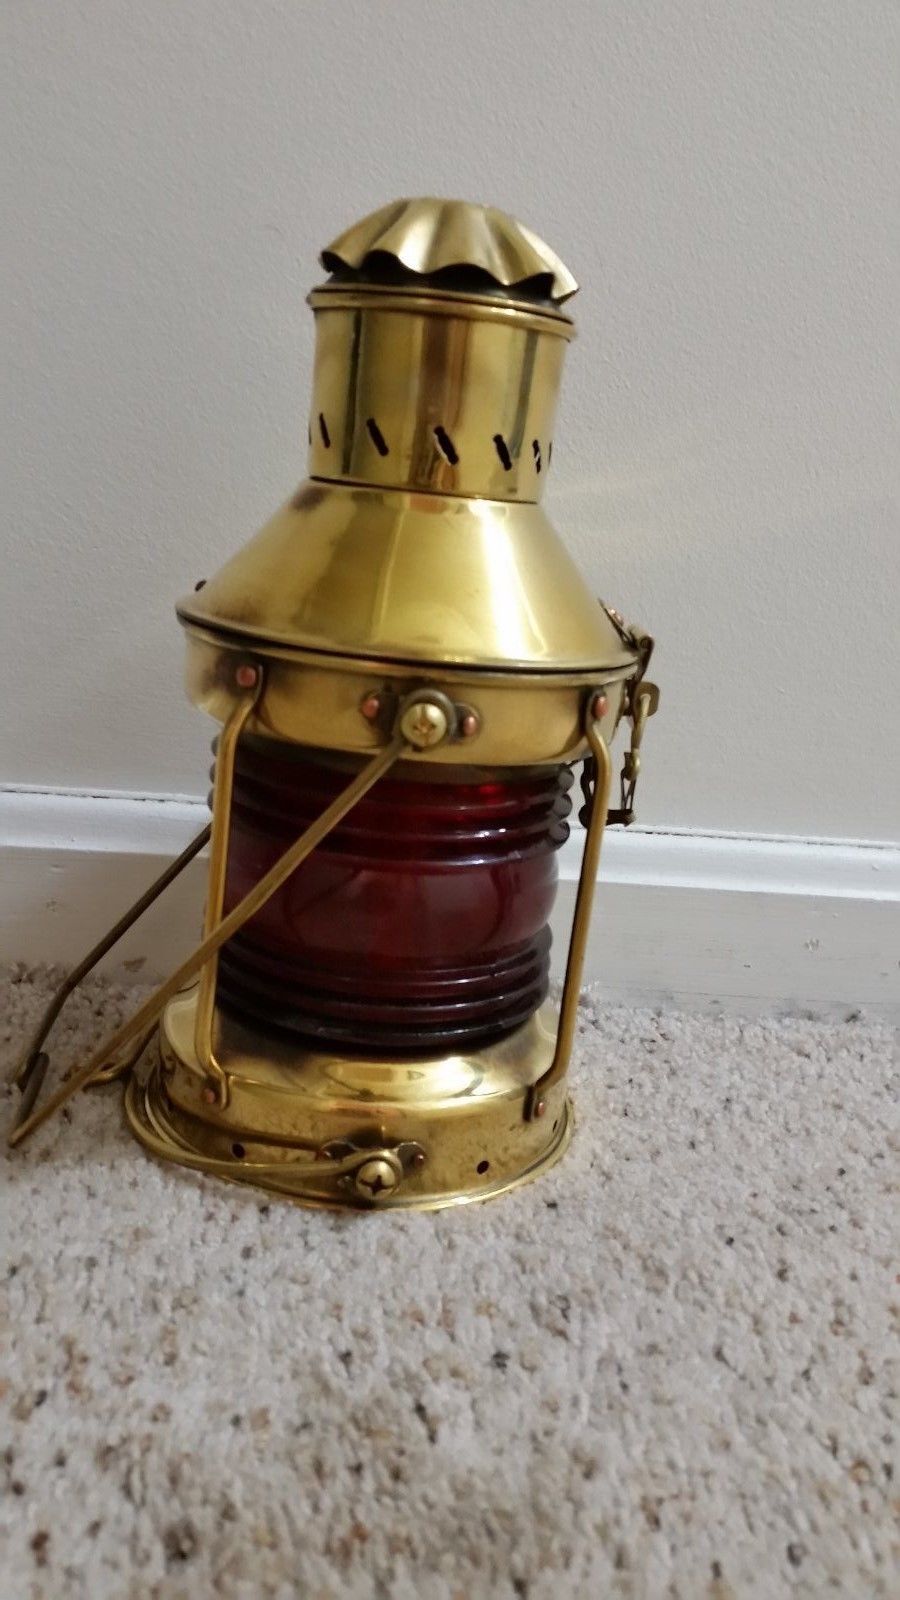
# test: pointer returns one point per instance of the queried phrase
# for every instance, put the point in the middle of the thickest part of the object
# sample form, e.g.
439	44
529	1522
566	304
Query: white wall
718	175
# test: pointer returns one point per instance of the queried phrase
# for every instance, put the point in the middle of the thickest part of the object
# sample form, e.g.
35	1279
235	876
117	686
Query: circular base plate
329	1130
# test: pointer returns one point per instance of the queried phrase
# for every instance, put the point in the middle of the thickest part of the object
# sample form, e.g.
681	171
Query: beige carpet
663	1370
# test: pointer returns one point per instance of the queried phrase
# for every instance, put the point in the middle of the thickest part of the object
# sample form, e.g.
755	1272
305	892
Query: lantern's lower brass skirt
328	1129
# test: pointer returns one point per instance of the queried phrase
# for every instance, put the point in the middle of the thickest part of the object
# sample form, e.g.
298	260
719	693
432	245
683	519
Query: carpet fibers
663	1370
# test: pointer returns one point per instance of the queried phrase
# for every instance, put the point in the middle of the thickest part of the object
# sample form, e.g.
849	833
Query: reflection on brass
410	602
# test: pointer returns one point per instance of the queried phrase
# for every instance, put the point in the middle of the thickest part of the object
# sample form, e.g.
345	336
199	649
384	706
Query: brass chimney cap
430	237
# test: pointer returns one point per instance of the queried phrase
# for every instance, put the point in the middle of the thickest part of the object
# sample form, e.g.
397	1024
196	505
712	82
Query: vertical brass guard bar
70	983
223	786
252	902
590	861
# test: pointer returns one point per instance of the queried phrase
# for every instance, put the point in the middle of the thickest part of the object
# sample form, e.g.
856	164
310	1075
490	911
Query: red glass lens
420	923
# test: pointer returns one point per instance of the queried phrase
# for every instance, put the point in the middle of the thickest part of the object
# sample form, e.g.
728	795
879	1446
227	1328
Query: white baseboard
740	922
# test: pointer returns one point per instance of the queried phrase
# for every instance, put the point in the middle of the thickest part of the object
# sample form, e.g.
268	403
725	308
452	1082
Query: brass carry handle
255	898
29	1075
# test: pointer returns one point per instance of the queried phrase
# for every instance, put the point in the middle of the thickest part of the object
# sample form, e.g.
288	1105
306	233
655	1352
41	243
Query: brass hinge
644	699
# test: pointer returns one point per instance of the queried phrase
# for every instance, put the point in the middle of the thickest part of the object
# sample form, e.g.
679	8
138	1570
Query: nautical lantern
406	667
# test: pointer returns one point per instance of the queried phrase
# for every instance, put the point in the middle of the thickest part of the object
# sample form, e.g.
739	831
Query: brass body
411	603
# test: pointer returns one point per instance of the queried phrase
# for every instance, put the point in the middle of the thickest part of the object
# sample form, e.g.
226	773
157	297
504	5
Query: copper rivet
246	676
468	724
540	1108
209	1096
418	1159
370	707
599	706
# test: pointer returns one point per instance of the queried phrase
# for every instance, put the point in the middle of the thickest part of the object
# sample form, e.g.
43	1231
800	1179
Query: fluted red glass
420	923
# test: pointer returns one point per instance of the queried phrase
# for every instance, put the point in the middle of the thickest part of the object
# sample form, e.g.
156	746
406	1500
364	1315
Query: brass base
348	1132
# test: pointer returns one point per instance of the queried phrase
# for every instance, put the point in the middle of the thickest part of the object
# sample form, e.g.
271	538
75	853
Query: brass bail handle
30	1073
408	735
252	902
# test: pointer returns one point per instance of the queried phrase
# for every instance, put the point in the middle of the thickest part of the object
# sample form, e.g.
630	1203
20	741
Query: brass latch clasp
644	701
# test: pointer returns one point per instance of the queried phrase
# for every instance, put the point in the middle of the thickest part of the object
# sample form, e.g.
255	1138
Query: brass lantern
406	666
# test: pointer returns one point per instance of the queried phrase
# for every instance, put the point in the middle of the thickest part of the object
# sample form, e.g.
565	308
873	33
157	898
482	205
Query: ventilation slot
376	436
503	453
536	452
323	429
446	446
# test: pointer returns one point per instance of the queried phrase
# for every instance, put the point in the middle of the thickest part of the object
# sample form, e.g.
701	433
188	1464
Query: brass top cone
418	537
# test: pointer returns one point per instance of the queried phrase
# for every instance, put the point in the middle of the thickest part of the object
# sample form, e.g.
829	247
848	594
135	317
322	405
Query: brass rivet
246	676
599	706
375	1178
424	724
540	1108
370	707
469	723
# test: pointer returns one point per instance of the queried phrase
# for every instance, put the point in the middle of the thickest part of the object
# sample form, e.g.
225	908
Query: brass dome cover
429	236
